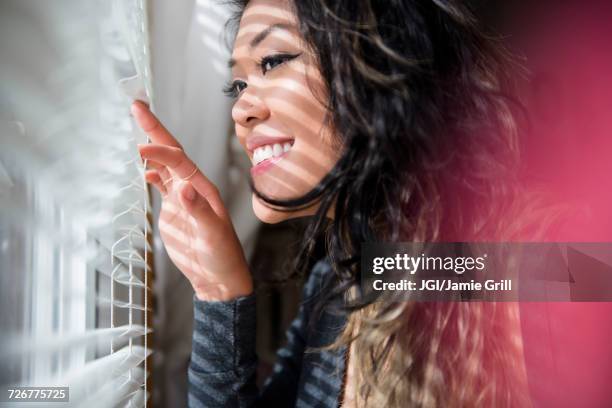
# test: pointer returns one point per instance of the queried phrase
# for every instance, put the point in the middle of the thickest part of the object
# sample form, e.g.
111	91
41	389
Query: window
75	232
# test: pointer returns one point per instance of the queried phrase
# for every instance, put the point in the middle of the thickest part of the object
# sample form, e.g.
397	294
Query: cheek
309	160
312	155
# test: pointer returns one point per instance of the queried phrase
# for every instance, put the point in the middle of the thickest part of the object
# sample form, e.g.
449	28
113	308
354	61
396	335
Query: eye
234	88
272	61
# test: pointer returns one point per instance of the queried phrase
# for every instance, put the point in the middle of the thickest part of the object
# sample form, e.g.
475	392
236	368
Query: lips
267	150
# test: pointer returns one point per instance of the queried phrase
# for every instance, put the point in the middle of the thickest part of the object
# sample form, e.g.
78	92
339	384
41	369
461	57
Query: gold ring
195	170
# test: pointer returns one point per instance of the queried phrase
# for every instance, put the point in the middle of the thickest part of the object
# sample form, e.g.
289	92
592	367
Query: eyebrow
260	37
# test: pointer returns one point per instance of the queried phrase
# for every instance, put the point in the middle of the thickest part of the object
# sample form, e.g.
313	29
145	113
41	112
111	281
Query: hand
194	224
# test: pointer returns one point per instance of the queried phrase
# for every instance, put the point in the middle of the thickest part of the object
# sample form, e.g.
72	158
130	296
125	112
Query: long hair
419	99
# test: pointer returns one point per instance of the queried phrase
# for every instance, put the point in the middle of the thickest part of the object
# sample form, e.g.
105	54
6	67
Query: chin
268	215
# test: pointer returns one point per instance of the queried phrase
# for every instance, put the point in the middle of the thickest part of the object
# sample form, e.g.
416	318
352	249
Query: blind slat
122	305
18	346
107	380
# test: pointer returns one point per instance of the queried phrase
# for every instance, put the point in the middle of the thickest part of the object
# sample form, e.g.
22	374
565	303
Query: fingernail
189	192
133	108
136	107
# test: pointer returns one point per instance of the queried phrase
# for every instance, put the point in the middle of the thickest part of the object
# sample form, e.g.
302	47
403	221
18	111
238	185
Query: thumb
195	204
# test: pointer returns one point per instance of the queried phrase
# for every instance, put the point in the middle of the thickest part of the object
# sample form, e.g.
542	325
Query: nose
249	109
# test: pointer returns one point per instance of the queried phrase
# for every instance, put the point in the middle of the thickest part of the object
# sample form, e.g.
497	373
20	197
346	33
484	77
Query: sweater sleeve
223	359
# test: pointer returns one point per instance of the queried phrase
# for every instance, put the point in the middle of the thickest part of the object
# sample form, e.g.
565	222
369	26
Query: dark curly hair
419	98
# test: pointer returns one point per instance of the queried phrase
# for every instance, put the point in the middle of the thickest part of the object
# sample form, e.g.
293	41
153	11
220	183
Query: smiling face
279	117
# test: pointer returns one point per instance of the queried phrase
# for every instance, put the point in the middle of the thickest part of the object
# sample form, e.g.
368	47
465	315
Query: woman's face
279	117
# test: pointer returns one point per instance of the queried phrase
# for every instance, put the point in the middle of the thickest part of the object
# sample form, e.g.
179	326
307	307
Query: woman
382	121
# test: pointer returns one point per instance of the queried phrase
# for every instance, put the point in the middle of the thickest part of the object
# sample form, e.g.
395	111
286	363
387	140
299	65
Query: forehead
260	15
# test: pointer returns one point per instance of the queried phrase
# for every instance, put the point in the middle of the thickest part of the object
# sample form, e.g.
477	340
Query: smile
266	156
267	152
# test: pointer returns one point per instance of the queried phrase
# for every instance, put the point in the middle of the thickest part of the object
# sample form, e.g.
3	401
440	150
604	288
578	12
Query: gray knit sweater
223	359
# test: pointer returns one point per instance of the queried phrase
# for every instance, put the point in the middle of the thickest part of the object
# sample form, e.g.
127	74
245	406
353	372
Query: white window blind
75	226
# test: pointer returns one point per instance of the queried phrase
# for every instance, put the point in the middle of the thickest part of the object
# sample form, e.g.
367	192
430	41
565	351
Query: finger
165	175
196	205
177	161
172	157
155	165
149	123
153	177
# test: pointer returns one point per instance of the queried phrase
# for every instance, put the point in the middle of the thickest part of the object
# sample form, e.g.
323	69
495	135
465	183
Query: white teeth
267	152
277	149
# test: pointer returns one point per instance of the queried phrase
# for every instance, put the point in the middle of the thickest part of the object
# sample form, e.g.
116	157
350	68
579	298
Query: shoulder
322	304
321	290
319	277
